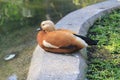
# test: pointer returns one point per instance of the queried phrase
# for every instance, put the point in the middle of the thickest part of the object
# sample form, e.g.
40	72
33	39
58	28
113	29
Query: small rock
9	56
12	77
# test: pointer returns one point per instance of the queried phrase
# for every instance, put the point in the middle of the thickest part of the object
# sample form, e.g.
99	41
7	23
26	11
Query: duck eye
43	24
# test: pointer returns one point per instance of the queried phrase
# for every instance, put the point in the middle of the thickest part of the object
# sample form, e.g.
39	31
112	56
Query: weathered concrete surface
50	66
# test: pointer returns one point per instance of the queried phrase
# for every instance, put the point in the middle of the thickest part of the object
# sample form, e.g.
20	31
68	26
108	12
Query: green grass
104	59
22	41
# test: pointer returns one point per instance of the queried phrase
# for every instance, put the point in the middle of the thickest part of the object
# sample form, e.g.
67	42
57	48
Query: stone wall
50	66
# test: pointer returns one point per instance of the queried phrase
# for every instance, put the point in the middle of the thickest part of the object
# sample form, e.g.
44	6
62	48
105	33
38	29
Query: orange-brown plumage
60	40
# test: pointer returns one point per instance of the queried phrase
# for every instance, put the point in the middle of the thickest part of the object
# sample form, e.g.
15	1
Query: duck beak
38	29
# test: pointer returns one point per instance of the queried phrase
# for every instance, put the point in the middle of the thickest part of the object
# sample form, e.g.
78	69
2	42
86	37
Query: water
31	12
19	20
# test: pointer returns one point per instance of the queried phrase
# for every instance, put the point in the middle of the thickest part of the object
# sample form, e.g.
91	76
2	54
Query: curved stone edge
78	21
81	20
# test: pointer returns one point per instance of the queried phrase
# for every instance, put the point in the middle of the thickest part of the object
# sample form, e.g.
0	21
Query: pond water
19	20
32	12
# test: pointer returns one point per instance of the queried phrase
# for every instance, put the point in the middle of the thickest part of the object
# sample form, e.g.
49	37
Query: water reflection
18	19
31	12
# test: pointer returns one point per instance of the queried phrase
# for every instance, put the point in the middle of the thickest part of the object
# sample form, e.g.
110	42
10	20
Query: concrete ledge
50	66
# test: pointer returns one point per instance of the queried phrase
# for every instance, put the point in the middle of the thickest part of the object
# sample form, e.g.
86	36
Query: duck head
47	26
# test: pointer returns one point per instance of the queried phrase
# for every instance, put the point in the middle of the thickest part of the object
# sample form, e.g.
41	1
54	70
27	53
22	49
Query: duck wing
60	39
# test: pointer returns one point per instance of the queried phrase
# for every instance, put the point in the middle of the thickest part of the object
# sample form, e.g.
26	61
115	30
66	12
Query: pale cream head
47	25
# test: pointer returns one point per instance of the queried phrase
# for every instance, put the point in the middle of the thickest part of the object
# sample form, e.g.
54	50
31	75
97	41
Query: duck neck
50	29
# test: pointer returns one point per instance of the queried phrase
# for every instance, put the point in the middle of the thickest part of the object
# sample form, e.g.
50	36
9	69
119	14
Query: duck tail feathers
88	40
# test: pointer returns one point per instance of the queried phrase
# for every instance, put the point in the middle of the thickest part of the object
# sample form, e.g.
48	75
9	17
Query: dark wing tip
95	42
88	40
